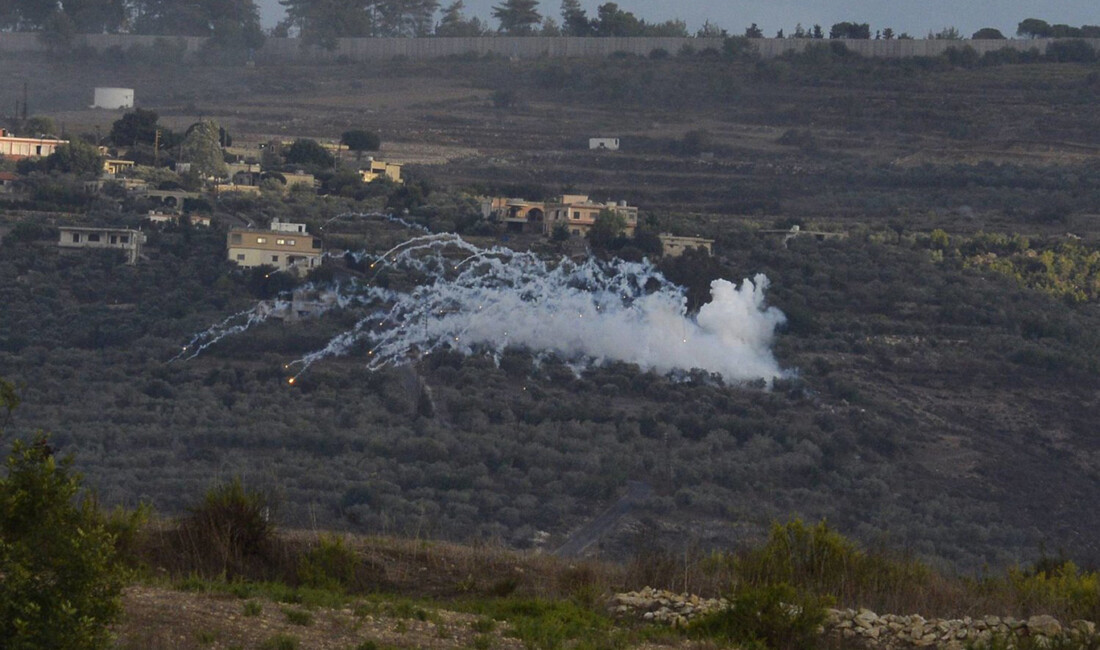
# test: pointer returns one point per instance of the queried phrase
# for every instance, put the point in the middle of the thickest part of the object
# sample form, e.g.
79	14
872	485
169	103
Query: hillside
933	404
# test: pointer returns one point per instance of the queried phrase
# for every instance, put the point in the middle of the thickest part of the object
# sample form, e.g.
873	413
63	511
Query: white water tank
114	98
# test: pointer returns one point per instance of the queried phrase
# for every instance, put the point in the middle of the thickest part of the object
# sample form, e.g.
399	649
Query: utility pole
156	147
24	101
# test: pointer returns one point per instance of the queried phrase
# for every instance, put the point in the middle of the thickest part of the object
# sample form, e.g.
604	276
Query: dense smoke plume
484	300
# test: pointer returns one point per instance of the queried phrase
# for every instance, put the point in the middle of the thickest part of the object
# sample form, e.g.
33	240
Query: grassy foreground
224	577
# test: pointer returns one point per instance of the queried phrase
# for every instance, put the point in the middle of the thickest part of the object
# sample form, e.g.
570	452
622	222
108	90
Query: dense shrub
229	534
776	616
61	580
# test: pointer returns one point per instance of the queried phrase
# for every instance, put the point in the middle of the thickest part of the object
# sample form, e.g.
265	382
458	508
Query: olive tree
359	141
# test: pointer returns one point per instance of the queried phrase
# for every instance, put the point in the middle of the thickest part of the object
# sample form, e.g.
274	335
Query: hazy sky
917	18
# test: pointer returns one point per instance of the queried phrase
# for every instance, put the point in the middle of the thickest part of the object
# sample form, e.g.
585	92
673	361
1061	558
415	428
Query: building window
290	242
280	241
274	258
576	215
125	239
261	240
93	236
235	238
240	257
76	238
114	239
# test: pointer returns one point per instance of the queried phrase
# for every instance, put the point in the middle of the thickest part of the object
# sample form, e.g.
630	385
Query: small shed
611	144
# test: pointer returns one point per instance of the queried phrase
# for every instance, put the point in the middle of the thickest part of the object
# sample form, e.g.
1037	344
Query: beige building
16	148
675	246
376	169
231	188
574	211
282	249
518	215
113	166
578	213
123	239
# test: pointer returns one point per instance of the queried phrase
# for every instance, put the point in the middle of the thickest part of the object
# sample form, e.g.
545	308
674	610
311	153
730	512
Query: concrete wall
287	50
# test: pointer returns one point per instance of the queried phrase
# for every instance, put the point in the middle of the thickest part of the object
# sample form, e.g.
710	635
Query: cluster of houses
288	246
284	246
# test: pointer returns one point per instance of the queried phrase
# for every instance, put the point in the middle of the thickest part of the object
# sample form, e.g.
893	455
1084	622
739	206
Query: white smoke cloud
478	300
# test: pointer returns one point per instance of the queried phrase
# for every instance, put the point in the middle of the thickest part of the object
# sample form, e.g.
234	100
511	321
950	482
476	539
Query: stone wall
288	50
871	630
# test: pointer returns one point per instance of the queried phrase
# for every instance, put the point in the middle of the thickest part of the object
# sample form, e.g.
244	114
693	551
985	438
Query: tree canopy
359	140
574	19
850	30
137	126
202	148
230	23
1033	28
309	152
455	23
76	157
517	17
988	33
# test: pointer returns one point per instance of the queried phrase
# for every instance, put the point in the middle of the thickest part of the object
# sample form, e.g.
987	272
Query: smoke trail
474	299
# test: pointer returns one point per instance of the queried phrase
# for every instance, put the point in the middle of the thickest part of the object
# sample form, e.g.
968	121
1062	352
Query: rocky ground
864	628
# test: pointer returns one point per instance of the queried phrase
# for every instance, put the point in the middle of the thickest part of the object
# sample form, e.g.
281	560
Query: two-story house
124	239
577	213
284	246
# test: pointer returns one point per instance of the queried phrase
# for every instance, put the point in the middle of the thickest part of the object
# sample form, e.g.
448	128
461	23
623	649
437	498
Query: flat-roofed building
124	239
114	166
578	213
517	215
610	144
376	169
282	250
675	245
17	148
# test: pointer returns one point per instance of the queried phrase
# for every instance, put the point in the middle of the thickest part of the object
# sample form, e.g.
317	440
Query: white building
286	226
611	144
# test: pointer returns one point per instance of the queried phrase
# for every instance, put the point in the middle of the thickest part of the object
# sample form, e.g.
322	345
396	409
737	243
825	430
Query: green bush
61	577
816	559
776	616
229	534
298	617
329	565
1062	588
